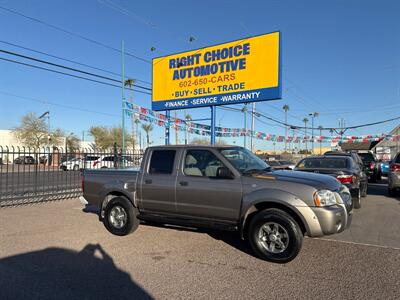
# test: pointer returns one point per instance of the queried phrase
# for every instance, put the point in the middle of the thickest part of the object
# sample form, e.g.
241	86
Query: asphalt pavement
57	251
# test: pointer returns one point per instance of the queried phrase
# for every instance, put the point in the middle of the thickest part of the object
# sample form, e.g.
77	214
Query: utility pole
312	115
286	108
176	130
320	139
244	111
123	98
341	125
253	111
305	120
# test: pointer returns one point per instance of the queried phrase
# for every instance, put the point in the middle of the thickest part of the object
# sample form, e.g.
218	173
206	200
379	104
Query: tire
356	197
391	192
120	217
365	191
76	168
287	226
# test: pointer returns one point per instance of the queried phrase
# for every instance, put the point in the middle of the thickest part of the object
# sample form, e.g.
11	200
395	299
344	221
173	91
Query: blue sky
340	58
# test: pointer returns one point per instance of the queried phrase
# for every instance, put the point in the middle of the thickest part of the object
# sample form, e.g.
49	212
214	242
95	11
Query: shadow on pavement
57	273
229	237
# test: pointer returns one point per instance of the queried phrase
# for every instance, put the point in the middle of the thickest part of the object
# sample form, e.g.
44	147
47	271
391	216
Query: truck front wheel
120	217
275	236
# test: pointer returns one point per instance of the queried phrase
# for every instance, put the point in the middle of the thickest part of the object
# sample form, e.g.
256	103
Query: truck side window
162	162
202	163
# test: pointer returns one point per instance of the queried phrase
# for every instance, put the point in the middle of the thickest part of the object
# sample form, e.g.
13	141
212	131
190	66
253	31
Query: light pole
123	98
253	110
47	113
286	108
305	120
244	111
320	138
313	116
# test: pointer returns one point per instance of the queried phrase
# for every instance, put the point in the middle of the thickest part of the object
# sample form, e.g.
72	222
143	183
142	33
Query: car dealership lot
57	249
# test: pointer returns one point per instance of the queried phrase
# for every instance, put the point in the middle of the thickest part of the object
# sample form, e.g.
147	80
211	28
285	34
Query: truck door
158	182
199	193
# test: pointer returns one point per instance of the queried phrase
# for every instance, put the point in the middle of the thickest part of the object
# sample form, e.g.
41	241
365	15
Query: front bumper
333	219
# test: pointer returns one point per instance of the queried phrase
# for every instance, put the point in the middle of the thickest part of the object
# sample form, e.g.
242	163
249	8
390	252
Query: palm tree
305	120
147	128
188	118
286	108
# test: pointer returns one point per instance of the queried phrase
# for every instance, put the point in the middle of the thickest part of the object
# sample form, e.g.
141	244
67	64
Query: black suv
372	166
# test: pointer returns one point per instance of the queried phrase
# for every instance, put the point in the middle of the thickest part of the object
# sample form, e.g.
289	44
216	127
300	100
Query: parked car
24	160
385	166
357	159
73	164
280	164
288	164
394	175
372	166
108	161
222	187
275	164
90	161
343	168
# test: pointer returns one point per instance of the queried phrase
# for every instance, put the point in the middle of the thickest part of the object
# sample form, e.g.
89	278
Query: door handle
183	183
148	181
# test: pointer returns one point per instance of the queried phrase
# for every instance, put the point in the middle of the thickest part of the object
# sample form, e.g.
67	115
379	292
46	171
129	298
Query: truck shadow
57	273
228	237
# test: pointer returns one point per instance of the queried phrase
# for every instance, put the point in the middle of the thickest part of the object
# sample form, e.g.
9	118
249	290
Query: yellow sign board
246	70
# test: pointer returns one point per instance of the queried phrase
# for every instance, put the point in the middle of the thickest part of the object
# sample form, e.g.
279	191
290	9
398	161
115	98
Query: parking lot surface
57	251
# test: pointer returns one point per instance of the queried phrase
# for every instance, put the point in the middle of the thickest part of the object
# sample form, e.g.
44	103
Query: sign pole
167	116
123	99
213	115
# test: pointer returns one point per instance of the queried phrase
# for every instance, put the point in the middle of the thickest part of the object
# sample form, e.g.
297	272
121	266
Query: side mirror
224	173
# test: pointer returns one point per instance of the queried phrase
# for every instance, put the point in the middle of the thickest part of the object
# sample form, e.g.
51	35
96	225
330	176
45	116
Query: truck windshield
244	161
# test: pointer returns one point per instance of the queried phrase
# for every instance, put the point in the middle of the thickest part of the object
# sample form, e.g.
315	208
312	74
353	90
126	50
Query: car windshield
244	161
366	157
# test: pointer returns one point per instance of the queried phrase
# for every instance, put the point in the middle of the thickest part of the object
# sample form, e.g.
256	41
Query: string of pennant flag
159	119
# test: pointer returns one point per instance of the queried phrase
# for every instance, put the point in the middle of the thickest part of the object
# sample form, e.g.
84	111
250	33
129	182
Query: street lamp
244	111
312	115
43	115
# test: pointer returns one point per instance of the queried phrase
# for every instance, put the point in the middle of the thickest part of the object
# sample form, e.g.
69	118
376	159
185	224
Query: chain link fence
29	175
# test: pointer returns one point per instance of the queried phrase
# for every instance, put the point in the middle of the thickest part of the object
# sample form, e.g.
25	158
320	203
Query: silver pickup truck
226	188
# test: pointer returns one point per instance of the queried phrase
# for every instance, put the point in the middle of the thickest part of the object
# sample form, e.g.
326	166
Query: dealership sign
246	70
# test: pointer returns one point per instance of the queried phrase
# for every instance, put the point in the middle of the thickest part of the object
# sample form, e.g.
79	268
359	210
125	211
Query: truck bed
96	183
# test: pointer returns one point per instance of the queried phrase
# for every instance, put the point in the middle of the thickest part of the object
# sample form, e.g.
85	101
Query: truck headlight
324	198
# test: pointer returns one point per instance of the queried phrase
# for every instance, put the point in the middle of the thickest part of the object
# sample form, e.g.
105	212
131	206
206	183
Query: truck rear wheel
275	236
120	217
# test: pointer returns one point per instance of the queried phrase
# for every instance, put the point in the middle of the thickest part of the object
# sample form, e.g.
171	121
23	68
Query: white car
73	164
108	162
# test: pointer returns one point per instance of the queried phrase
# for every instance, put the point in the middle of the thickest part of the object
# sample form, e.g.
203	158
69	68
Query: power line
67	74
68	68
71	61
73	34
59	105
